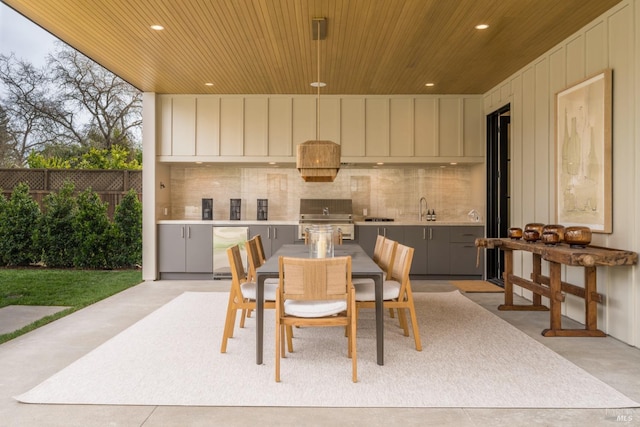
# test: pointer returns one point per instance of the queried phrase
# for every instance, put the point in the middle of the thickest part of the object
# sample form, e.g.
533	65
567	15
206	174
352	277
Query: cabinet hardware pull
268	232
188	232
182	232
431	234
275	233
424	234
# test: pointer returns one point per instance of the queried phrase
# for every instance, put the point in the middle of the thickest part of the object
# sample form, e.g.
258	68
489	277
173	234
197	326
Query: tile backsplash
384	192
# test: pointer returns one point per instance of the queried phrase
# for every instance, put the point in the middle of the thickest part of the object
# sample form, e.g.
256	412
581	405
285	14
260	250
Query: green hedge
71	231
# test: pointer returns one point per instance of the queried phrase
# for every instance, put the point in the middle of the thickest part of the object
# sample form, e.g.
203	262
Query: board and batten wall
611	41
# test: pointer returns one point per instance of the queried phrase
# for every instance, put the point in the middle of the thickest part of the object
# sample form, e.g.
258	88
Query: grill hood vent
318	161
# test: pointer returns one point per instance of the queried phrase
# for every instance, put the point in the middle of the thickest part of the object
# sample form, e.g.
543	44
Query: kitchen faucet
422	213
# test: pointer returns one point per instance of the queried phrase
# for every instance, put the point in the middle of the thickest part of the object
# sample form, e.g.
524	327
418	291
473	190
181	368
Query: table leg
537	272
379	318
508	286
590	304
259	317
555	302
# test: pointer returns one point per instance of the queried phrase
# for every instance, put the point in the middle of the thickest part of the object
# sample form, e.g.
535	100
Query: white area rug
470	358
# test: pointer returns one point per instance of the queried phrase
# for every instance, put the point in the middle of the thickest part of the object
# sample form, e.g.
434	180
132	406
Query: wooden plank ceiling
266	47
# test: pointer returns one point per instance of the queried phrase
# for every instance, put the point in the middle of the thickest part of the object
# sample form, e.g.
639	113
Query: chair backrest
253	259
377	249
315	278
402	266
238	274
387	257
258	240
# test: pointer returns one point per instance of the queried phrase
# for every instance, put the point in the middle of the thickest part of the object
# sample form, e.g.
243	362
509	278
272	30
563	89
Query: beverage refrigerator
223	238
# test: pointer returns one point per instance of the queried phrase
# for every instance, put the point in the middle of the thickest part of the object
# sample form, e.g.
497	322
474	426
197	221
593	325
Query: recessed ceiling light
453	163
482	27
318	84
380	163
208	84
157	27
430	84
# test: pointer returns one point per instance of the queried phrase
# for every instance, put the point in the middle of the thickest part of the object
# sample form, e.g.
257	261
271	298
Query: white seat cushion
367	291
249	290
314	308
365	280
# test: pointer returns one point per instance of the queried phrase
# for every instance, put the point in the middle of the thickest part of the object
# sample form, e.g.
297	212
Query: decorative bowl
515	233
535	226
578	236
557	228
550	237
531	235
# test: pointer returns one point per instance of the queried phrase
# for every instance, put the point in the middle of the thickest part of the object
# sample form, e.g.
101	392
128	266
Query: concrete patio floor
30	359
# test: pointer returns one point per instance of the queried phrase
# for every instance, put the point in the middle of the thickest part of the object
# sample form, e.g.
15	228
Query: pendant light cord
318	83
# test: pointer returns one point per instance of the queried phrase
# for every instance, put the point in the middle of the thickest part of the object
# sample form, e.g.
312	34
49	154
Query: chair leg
289	333
403	321
228	324
242	317
414	320
391	313
354	351
278	339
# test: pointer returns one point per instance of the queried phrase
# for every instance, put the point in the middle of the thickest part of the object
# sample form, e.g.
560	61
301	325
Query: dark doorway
498	188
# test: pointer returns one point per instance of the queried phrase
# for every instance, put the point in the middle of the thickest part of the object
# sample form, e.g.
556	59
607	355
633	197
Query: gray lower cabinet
463	251
185	248
431	249
367	235
443	251
274	236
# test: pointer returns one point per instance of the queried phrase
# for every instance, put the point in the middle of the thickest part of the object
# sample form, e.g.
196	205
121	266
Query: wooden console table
552	286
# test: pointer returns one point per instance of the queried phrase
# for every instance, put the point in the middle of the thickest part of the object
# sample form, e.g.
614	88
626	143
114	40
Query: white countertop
295	222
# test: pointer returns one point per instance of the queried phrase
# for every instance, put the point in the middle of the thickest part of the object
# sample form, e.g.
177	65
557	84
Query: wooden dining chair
255	259
386	249
242	295
377	249
397	293
315	292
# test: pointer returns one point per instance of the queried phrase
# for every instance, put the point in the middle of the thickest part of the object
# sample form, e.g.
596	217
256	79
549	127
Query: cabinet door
282	235
265	235
199	253
183	137
463	251
171	248
438	250
416	237
393	232
367	236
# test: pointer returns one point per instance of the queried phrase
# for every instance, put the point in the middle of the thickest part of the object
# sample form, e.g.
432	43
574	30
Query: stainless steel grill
335	212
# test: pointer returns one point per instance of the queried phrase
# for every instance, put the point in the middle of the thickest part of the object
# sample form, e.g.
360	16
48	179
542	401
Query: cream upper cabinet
256	128
352	131
280	112
377	127
401	118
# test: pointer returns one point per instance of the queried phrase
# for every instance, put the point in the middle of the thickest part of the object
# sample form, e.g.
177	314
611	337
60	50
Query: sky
24	38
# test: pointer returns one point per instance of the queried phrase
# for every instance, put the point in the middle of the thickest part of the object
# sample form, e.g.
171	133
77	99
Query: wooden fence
110	185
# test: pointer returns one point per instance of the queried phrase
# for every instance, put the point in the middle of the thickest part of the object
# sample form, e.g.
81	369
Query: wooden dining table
362	266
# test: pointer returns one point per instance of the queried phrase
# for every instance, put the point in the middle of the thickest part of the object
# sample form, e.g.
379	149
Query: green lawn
71	288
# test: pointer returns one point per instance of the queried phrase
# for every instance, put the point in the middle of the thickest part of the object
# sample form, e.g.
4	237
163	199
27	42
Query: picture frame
583	171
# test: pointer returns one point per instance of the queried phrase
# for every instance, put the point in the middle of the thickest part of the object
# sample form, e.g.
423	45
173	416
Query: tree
56	229
18	218
114	106
127	225
24	99
65	108
91	231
